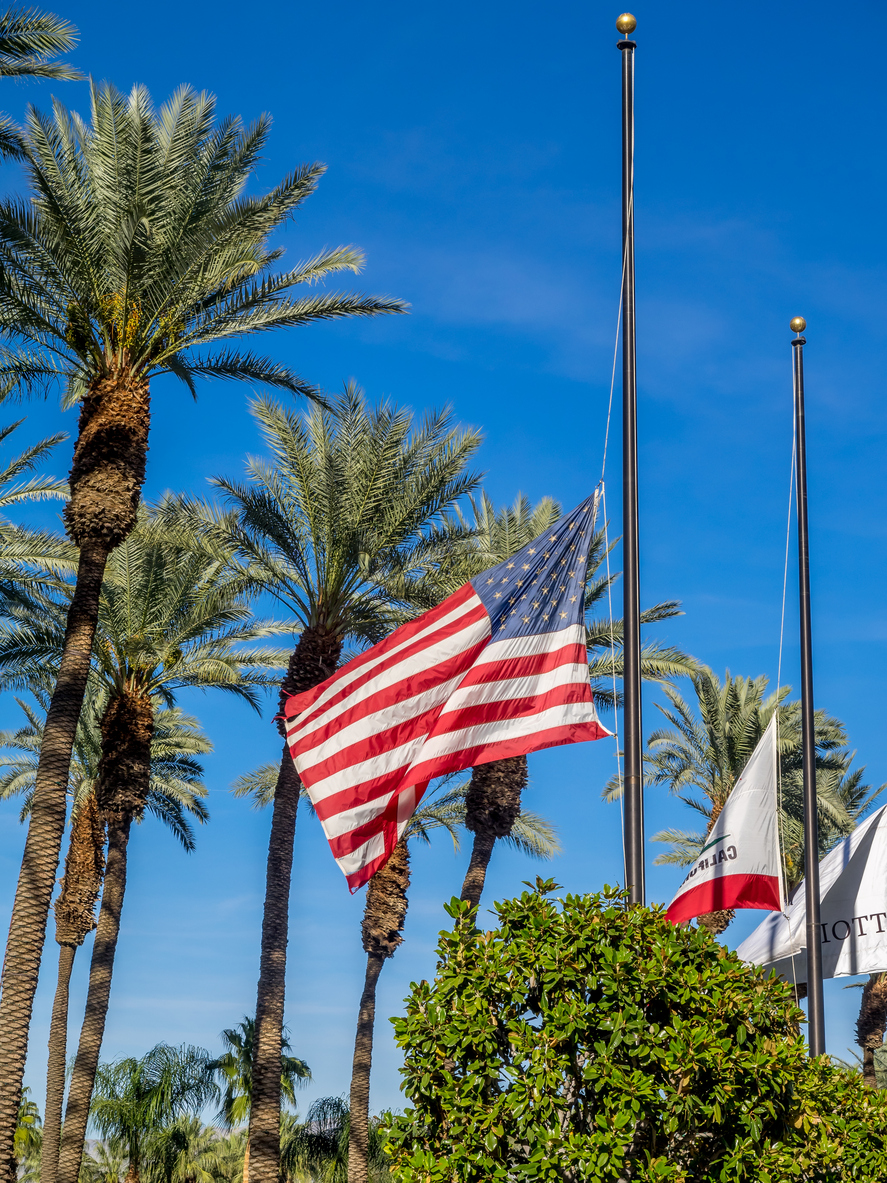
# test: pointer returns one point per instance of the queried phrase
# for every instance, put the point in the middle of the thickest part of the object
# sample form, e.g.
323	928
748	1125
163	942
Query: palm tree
28	40
102	1164
30	561
28	1134
345	529
493	801
136	250
187	1151
135	1099
234	1071
172	614
700	759
318	1147
174	786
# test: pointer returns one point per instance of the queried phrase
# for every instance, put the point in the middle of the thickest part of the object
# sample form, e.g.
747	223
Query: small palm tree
318	1147
30	560
28	1135
103	1164
700	758
136	253
187	1151
234	1072
29	39
493	801
137	1098
345	528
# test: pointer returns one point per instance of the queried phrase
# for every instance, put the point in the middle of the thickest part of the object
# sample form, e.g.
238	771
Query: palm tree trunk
871	1024
264	1118
98	994
358	1139
124	778
315	657
383	920
492	806
475	876
55	1069
106	480
717	922
74	918
27	928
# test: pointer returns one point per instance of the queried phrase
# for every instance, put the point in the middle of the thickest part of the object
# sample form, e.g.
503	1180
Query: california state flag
739	865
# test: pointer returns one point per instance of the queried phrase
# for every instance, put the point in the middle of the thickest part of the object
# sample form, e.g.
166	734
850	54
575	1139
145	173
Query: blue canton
541	589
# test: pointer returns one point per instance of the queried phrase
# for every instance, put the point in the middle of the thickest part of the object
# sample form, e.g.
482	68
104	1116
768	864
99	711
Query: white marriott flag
739	866
853	912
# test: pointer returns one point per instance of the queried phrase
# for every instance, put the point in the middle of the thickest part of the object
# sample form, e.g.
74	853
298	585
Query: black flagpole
815	1001
632	734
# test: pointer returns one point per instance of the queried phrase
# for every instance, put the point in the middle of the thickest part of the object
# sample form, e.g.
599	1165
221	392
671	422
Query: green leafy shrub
585	1039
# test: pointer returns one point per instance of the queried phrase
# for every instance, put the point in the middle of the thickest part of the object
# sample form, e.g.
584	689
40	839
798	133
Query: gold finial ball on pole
626	24
798	324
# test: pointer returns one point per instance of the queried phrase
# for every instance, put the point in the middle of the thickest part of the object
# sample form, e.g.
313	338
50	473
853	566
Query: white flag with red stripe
499	669
739	866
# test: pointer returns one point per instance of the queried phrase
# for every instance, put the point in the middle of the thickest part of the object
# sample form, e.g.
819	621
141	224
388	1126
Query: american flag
498	669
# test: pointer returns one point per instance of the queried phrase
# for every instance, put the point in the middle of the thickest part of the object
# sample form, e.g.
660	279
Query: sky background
474	153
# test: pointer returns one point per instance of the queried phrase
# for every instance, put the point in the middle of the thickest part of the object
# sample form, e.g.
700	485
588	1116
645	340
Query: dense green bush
584	1039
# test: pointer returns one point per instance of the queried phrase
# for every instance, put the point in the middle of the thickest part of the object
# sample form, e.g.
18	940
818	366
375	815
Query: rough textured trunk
358	1134
124	779
716	922
476	875
55	1068
27	928
74	918
314	659
99	991
492	806
106	480
382	928
871	1024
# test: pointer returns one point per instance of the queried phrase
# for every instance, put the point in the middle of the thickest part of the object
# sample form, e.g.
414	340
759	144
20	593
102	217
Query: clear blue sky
473	151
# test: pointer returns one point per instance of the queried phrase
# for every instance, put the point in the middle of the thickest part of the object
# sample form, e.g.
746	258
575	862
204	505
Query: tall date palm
700	757
346	529
135	253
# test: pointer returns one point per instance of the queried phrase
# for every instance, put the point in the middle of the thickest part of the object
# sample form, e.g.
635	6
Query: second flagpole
815	1001
632	731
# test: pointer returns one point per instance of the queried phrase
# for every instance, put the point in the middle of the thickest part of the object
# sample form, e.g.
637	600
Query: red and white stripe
437	696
